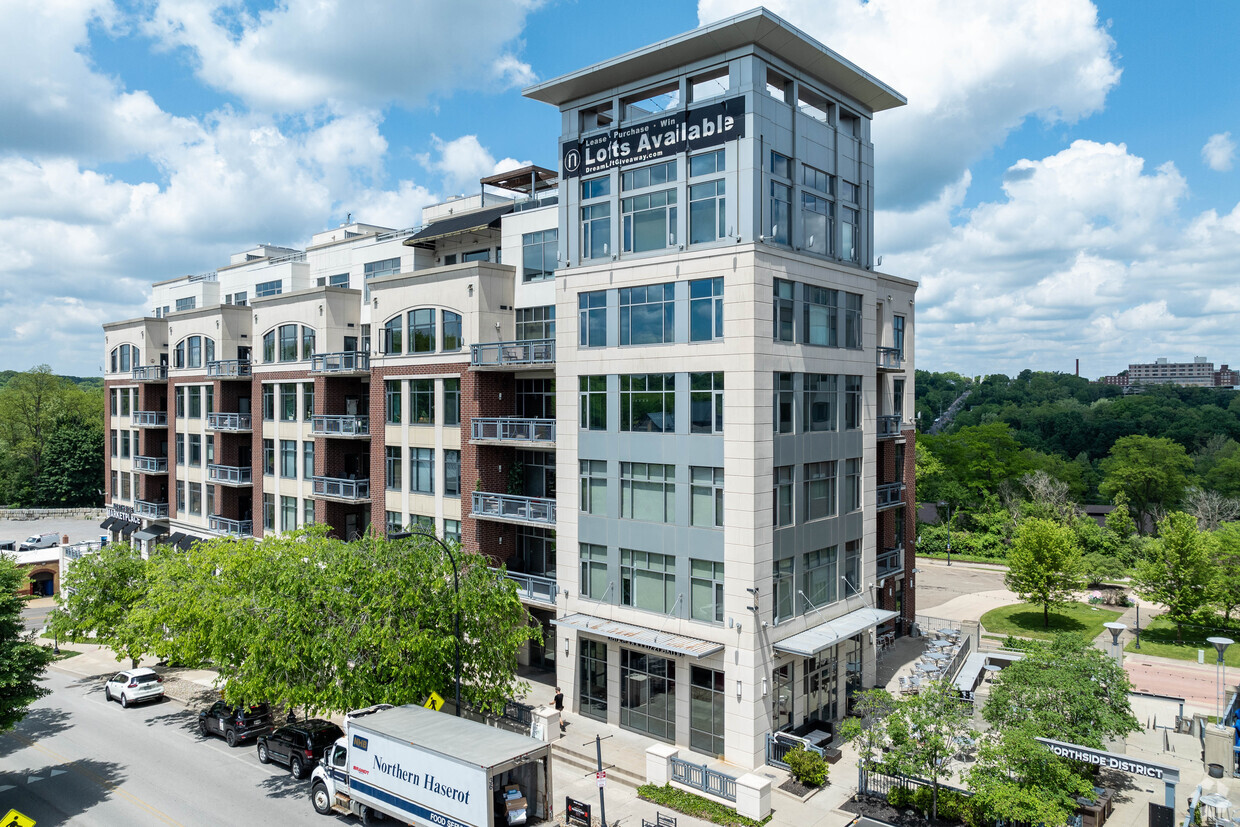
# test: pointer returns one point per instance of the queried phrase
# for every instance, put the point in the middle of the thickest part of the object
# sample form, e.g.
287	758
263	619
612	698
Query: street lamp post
1116	629
456	590
1220	646
949	530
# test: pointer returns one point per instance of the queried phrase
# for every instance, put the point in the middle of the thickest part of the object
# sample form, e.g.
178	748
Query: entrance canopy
640	636
812	641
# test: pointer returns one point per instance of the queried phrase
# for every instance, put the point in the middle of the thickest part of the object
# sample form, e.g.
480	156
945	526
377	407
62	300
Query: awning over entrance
186	541
640	636
108	523
175	539
459	224
129	528
147	534
812	641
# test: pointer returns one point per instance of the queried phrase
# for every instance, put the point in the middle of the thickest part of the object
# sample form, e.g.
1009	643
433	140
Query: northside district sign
1112	760
659	137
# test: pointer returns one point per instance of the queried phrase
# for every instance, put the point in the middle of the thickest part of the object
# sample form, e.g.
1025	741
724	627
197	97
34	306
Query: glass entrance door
821	687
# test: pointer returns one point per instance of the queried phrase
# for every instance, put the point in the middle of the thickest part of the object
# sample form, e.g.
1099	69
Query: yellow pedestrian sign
15	819
435	702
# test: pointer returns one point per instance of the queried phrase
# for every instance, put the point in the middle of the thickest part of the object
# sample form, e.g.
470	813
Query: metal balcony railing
338	488
230	422
150	419
500	354
514	509
146	508
890	561
231	474
226	368
151	373
342	425
889	495
887	426
151	465
235	528
512	429
534	587
349	361
890	358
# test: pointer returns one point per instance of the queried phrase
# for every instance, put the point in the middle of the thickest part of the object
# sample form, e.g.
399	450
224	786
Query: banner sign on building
1111	760
123	513
686	131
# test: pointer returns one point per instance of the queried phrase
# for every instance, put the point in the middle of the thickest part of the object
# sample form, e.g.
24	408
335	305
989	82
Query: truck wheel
320	799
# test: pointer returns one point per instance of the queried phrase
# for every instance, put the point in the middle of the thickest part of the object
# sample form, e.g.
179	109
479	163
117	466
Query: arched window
451	330
422	331
392	335
307	342
178	355
269	346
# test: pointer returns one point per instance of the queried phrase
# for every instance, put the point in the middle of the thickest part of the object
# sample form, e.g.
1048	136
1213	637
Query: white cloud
463	161
347	53
1219	152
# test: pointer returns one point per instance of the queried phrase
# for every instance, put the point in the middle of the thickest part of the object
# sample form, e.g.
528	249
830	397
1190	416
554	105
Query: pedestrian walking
559	707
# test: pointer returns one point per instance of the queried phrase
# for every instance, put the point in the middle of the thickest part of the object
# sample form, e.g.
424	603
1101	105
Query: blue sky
1062	182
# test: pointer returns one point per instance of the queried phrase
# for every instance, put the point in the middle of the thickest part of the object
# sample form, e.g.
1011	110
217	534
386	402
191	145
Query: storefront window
593	680
706	711
648	694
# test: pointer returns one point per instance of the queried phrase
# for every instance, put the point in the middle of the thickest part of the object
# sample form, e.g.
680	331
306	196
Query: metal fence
958	659
530	352
779	744
534	586
702	777
878	784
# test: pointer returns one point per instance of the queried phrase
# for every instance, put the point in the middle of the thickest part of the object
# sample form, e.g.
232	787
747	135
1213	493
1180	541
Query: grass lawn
1158	639
1025	620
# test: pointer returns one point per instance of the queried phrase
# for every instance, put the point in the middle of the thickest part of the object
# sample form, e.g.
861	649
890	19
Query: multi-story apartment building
684	322
1198	373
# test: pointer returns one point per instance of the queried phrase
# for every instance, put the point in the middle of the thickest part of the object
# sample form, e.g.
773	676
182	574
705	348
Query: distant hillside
81	381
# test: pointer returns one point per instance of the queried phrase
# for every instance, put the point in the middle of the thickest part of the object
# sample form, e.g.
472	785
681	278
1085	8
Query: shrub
807	767
952	805
686	802
899	797
922	798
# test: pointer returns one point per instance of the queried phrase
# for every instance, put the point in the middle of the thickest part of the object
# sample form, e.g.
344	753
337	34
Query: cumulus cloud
1219	152
347	53
464	160
972	70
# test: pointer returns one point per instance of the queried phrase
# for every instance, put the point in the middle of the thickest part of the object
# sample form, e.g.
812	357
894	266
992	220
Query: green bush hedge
807	767
686	802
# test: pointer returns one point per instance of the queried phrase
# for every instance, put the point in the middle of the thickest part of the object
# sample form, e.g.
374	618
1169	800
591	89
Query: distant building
1225	377
1198	373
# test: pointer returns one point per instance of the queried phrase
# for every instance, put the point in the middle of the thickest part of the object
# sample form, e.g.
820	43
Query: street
77	759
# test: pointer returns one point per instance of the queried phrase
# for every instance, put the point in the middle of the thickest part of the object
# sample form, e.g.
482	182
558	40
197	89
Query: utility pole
602	780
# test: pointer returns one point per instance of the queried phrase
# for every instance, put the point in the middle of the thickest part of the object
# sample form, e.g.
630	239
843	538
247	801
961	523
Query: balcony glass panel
349	361
513	429
342	425
513	508
532	352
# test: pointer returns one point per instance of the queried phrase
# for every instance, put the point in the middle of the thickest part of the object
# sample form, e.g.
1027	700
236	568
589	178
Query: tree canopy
22	661
1176	569
1044	564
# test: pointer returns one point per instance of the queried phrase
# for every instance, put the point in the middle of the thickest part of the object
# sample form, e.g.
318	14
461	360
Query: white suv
134	685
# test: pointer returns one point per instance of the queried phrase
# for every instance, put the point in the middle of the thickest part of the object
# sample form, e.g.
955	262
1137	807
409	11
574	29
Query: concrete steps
588	763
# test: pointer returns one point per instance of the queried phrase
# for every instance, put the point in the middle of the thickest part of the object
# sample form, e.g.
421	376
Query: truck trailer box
435	770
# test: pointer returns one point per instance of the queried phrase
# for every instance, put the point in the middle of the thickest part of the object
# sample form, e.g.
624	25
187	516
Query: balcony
890	358
154	510
346	362
890	561
341	426
229	368
889	495
510	508
888	427
151	465
508	355
342	490
231	474
151	373
236	422
233	528
534	588
513	431
150	419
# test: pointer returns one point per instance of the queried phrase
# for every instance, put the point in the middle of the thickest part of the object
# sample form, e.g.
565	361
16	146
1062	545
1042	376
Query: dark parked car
235	723
298	745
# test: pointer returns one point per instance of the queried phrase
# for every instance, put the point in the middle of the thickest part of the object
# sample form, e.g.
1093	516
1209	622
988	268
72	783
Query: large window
307	462
785	403
821	392
784	588
594	583
706	403
392	397
651	176
422	401
422	470
288	513
592	309
649	221
594	487
307	401
648	314
595	230
307	342
269	511
288	459
784	311
538	254
849	249
535	398
781	207
852	403
186	304
195	450
422	330
269	403
852	484
393	467
816	223
195	497
647	580
194	396
593	403
648	694
269	457
706	727
781	165
706	591
648	402
536	323
707	163
706	497
706	309
595	187
897	334
452	401
821	317
307	506
288	342
783	495
819	576
268	288
452	531
288	402
392	339
592	658
452	339
819	490
851	575
648	492
269	346
374	269
451	473
708	211
852	320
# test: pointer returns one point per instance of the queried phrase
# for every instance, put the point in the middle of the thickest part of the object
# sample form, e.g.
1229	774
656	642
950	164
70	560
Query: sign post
576	812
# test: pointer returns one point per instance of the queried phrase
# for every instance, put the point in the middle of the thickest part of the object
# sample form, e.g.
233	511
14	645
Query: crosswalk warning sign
15	819
434	702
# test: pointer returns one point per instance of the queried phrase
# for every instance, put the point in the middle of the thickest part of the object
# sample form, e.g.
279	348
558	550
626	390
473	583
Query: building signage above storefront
660	137
123	513
1111	760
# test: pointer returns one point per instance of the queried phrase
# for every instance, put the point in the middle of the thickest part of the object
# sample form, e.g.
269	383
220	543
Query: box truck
432	769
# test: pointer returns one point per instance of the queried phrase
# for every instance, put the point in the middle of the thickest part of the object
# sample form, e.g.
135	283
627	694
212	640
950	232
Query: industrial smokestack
1078	367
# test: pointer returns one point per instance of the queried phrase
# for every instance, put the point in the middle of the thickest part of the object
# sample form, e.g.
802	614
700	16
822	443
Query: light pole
456	590
949	530
1220	645
1116	629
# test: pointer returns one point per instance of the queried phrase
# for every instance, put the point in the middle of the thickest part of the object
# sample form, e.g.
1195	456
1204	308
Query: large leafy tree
33	405
866	727
1066	689
1044	564
72	473
1175	569
1018	780
1224	589
1152	472
98	596
924	731
22	661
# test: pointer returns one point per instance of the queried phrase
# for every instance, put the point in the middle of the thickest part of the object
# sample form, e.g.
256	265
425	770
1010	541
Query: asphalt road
938	582
77	759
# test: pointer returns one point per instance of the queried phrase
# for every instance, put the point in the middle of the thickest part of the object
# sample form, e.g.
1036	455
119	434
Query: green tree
1044	564
22	661
1175	569
33	404
1066	689
865	728
98	596
1224	589
72	473
1018	780
1151	472
925	731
